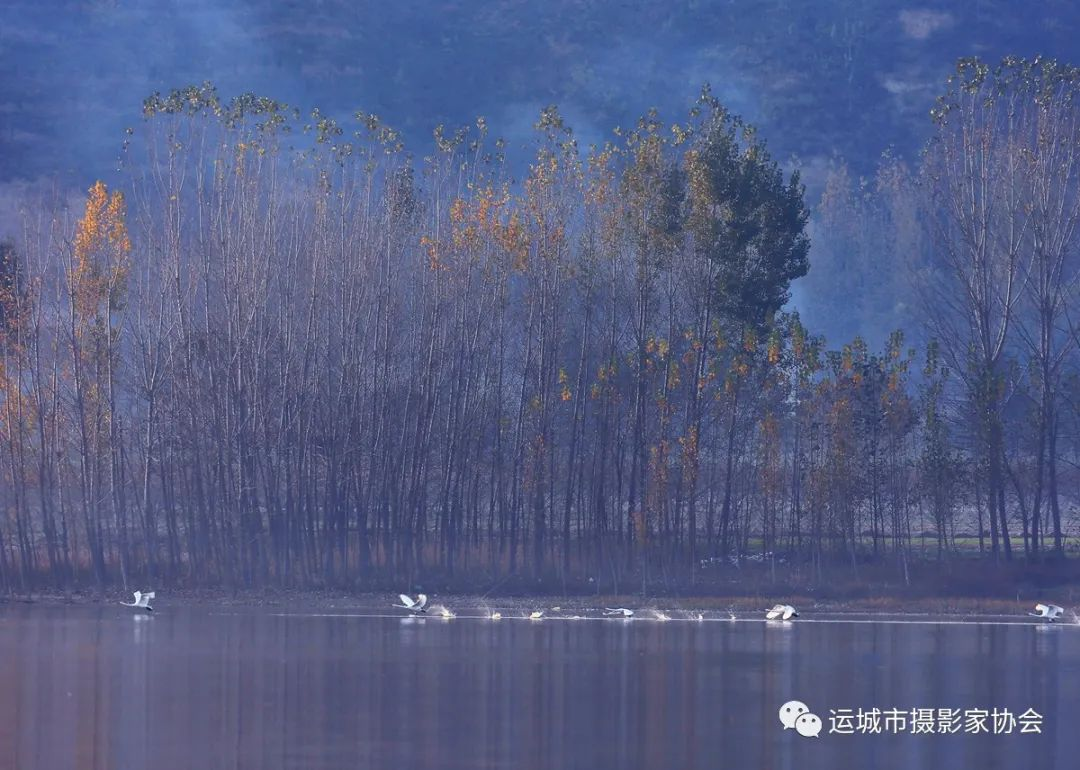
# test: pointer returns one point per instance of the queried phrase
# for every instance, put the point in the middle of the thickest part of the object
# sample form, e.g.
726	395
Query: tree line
283	350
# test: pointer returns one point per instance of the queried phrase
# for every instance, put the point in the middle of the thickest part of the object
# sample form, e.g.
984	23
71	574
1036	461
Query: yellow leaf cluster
102	251
774	350
431	246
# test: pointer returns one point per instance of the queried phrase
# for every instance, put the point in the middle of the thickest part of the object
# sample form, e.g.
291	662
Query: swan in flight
1049	611
417	605
536	615
142	601
781	612
619	611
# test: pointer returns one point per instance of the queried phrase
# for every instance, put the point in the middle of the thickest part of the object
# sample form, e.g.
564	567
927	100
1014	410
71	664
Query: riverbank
962	586
334	601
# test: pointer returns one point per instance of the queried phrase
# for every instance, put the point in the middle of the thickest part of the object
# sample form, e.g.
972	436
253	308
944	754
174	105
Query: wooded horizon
287	352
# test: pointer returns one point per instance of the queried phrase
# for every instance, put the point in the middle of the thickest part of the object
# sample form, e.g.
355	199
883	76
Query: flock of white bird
782	612
420	606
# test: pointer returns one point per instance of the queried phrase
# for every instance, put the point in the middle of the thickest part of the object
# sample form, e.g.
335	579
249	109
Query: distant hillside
820	78
846	78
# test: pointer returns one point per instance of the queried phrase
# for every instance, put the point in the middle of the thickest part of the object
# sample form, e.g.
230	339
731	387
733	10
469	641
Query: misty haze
564	384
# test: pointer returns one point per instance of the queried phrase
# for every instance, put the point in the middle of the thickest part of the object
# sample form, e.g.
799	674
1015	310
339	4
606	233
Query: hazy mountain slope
819	77
846	77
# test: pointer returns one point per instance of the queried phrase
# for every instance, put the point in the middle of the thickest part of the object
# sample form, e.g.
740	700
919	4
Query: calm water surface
88	687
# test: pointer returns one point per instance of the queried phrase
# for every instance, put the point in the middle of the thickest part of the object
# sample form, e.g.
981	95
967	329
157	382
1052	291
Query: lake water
203	688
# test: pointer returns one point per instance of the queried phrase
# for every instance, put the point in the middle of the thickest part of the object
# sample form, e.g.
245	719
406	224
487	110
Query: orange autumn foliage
101	255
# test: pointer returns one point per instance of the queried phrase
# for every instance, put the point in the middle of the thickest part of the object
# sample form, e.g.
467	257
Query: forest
286	351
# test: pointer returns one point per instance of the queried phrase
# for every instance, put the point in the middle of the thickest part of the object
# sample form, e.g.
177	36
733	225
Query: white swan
781	612
142	601
536	615
620	611
1049	611
413	605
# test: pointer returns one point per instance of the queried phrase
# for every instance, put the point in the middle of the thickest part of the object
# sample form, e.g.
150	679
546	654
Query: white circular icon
808	725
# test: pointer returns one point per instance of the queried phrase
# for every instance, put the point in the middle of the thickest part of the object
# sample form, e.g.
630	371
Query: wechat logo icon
796	715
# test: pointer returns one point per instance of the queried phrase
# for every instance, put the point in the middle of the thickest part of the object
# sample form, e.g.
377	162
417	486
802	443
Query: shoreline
744	603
